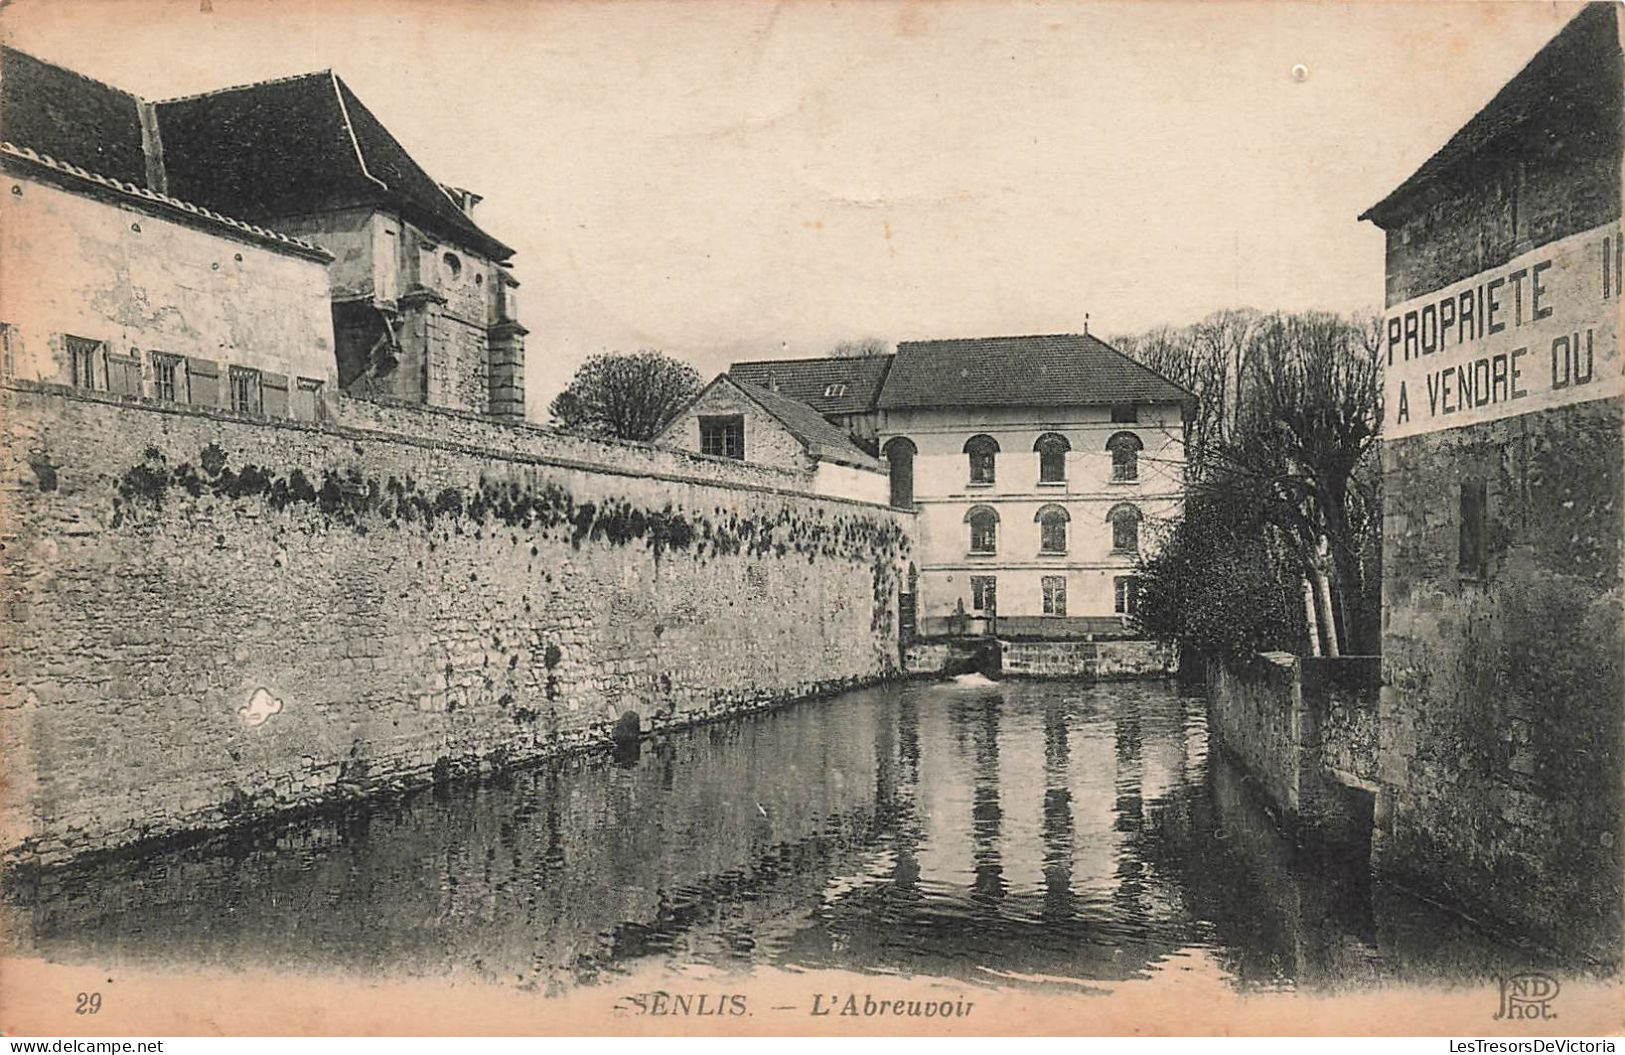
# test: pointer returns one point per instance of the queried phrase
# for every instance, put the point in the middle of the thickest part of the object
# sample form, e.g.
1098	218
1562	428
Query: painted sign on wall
1537	332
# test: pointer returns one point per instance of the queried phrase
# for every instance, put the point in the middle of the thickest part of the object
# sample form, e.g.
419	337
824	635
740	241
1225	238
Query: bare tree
864	347
1306	426
629	396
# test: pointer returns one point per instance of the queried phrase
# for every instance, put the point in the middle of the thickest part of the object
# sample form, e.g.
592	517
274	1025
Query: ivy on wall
352	499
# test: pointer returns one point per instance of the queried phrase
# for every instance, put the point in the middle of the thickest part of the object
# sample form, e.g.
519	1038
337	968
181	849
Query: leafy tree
1218	585
630	396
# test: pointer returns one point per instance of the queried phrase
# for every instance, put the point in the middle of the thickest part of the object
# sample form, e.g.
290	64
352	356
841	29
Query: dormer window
836	389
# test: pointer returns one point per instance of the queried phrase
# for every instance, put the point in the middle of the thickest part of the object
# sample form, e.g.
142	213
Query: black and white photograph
737	518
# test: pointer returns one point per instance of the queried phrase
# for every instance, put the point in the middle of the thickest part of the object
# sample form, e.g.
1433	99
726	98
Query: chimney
152	147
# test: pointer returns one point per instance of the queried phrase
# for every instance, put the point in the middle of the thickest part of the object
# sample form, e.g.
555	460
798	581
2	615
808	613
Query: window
168	379
307	399
1125	448
1052	521
723	436
1052	448
88	362
984	593
1054	594
984	529
454	266
245	390
1125	414
1125	591
982	451
899	453
1125	528
1473	557
7	365
836	389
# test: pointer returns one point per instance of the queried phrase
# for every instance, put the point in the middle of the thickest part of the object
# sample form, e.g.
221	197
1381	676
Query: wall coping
353	432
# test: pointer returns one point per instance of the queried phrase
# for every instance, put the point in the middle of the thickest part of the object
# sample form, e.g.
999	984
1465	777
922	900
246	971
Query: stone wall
1088	660
1305	731
767	441
214	620
1501	746
1253	713
1500	733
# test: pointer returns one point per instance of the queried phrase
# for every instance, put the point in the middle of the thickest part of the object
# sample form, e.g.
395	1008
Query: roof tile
1051	370
807	380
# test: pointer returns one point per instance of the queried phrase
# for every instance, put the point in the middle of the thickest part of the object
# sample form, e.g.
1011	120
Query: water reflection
1031	829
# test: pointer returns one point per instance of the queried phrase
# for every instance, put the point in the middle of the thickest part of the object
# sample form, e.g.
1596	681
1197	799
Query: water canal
1027	833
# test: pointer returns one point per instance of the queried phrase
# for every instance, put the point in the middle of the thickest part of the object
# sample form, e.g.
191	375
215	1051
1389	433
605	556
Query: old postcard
746	518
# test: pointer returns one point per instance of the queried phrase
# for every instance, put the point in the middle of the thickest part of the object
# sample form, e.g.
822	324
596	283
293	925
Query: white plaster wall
845	481
944	495
79	265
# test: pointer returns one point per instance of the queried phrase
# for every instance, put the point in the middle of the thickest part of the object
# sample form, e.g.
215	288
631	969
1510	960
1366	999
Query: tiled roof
1574	82
70	117
808	379
1055	370
821	439
158	204
299	144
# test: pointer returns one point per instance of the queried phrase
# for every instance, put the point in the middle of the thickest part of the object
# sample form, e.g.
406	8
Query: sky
727	180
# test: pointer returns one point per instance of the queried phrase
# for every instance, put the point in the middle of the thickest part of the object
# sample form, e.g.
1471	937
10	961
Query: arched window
899	452
982	450
1052	521
1051	448
1125	528
984	529
1125	448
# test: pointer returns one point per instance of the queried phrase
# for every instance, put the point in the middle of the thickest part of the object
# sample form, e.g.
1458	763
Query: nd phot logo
1527	997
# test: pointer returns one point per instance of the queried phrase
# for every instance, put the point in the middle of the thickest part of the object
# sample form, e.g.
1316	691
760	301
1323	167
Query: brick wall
214	620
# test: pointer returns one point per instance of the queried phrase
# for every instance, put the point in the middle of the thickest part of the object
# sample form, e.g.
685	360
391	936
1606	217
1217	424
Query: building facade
1042	469
112	287
1500	731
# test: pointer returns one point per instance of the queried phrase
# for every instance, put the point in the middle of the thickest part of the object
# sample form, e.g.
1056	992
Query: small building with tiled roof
844	389
424	303
1501	464
730	418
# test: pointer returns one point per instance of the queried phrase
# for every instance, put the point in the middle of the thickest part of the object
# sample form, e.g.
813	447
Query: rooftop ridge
812	359
244	87
1003	337
74	73
132	190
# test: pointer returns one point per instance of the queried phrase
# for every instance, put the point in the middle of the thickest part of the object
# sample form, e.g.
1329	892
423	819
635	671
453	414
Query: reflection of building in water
876	832
1057	825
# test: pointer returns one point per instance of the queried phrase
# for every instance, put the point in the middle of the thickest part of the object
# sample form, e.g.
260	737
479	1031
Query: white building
1041	468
